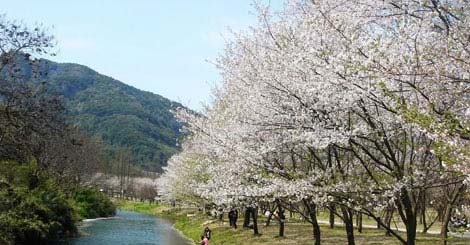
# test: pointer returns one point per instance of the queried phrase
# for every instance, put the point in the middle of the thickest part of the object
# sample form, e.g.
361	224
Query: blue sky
159	46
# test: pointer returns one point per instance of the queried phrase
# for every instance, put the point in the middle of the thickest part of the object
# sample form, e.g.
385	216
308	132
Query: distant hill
121	115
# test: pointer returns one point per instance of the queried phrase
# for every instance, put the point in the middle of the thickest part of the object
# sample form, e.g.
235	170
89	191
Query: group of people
206	236
460	222
232	217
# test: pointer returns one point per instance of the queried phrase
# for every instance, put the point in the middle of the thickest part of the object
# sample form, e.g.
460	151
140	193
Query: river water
128	228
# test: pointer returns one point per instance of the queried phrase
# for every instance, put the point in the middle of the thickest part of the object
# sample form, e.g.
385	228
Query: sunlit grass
192	223
141	207
295	233
396	221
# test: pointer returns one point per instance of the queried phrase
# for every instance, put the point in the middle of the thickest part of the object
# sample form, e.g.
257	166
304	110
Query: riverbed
128	228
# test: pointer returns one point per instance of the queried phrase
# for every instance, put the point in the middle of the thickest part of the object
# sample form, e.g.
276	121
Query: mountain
121	115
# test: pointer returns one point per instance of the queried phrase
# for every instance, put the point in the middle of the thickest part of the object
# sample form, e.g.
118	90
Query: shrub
33	209
93	204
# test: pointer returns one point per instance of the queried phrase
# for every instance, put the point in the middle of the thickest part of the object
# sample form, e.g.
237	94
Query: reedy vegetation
359	105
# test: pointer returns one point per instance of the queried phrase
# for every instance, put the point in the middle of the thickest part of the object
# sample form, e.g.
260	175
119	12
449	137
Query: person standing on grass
207	233
230	217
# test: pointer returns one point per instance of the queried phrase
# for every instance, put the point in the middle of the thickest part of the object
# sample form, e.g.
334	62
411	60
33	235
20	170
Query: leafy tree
38	149
93	204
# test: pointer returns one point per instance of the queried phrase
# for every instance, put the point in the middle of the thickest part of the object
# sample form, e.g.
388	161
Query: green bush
33	209
92	203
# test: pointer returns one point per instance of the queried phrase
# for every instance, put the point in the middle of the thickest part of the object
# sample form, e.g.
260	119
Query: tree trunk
281	228
246	218
254	213
359	222
445	223
388	220
423	218
332	216
281	218
410	218
348	224
311	208
316	229
411	231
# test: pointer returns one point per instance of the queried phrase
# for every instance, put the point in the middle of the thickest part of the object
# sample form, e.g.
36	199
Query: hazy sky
159	46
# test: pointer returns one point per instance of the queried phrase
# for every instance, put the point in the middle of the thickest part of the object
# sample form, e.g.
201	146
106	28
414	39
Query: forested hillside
123	116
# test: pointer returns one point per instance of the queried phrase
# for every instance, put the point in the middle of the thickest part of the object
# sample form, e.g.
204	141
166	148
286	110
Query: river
128	228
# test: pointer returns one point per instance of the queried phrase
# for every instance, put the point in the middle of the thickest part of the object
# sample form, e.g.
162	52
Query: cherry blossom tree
355	104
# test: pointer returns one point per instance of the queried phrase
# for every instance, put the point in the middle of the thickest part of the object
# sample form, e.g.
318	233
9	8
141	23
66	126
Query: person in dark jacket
233	216
207	233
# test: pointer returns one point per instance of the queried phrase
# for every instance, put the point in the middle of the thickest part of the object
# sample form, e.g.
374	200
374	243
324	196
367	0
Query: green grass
295	232
396	220
140	207
191	227
192	223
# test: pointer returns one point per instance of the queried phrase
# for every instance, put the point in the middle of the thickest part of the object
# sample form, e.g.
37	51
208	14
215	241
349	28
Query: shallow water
128	228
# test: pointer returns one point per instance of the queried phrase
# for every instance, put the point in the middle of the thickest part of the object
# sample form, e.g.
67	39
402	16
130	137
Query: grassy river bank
191	223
